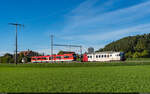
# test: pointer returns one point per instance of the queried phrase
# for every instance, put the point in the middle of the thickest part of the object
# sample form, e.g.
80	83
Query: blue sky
90	23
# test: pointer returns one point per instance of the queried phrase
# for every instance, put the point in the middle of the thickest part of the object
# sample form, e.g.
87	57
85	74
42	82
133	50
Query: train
51	58
98	56
104	56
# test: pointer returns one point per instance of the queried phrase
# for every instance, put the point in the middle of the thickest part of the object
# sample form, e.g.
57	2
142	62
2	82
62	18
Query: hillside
133	46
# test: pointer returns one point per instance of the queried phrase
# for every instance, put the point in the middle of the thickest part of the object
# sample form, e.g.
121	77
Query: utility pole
15	24
52	48
81	52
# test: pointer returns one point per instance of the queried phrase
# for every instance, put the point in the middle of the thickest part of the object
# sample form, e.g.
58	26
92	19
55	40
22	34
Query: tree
145	53
133	46
136	55
7	58
60	53
128	54
141	45
20	57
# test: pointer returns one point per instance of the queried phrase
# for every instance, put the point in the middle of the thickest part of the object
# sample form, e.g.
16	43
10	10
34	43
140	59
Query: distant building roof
28	53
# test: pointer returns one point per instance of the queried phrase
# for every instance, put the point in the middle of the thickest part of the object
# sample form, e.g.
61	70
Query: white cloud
95	25
86	15
94	39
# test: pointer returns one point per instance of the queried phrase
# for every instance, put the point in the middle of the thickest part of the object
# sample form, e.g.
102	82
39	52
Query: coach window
90	56
44	58
66	56
96	56
59	57
99	56
50	58
102	56
107	55
34	58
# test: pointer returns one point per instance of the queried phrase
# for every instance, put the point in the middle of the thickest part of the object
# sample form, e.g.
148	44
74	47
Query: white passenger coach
106	56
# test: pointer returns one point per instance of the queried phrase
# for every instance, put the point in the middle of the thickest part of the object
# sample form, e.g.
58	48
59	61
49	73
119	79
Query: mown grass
38	78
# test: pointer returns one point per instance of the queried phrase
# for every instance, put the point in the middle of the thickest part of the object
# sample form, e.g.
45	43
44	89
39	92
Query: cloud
93	24
140	29
99	40
86	18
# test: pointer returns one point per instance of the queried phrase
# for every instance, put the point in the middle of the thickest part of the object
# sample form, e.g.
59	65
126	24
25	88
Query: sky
90	23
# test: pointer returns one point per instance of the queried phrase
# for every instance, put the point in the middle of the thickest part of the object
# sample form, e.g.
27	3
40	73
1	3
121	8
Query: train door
85	58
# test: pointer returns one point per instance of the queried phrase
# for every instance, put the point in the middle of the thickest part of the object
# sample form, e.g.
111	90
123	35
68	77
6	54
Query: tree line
133	46
10	58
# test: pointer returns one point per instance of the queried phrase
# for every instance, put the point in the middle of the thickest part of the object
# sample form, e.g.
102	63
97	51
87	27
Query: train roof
50	55
106	52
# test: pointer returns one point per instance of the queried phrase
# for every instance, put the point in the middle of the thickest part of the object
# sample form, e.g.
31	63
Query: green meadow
75	77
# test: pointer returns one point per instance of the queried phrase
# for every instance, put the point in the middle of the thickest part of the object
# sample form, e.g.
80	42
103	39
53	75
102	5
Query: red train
51	58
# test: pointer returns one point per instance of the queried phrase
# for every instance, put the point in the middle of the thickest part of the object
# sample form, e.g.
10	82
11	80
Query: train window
99	56
90	56
44	58
110	55
50	58
107	55
66	56
102	56
117	54
38	58
59	57
33	58
74	55
96	56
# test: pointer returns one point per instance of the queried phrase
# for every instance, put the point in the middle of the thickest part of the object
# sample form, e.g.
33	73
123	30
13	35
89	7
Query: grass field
88	77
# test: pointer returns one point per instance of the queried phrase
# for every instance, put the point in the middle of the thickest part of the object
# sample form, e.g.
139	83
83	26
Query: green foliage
128	54
21	56
7	58
145	53
60	53
135	46
136	55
